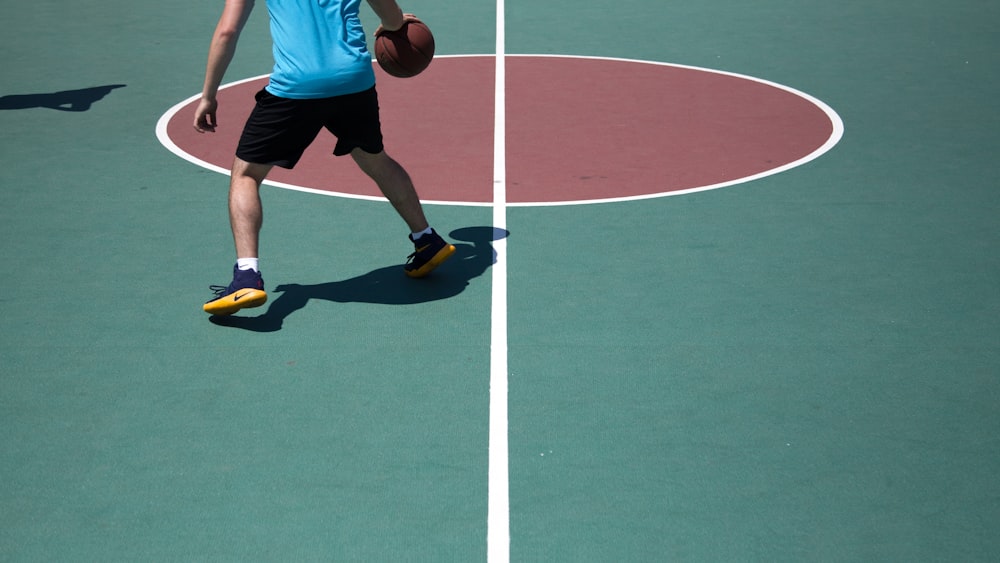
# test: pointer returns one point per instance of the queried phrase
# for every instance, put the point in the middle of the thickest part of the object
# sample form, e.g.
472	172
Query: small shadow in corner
67	100
387	286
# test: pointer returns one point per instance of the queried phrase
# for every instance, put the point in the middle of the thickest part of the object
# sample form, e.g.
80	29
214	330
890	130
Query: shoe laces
219	290
416	251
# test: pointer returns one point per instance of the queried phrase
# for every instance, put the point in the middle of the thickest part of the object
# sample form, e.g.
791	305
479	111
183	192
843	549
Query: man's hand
407	18
204	116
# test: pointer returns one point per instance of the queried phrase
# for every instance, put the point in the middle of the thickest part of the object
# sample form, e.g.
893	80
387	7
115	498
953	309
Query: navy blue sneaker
430	251
246	290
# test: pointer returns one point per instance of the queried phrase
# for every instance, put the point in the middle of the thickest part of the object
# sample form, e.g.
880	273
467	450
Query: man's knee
364	158
243	169
377	165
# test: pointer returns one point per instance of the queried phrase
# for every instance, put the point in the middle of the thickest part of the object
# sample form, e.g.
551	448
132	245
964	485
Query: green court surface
805	367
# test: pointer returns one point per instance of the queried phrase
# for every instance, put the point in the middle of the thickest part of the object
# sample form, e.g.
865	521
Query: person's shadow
388	286
66	100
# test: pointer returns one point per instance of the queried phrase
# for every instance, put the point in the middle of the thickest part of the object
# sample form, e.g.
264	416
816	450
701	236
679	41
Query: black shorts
279	129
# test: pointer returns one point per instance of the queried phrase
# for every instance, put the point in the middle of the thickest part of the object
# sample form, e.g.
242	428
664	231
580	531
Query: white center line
498	511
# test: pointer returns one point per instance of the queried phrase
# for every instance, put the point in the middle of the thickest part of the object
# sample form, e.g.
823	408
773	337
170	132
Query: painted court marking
498	501
564	130
578	130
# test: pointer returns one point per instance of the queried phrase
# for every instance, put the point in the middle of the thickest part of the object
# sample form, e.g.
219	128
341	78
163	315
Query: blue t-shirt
319	49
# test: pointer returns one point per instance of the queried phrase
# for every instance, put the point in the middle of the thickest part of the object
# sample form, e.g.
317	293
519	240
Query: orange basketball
407	51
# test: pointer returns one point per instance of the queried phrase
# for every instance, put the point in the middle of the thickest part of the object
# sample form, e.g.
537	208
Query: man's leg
430	249
395	184
246	215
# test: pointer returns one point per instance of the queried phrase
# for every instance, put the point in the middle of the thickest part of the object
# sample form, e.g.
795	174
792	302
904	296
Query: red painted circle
577	129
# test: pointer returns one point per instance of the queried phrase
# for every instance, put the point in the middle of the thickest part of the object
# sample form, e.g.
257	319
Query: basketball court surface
727	288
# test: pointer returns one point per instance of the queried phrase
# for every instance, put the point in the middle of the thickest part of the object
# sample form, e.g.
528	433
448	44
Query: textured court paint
804	369
581	130
622	129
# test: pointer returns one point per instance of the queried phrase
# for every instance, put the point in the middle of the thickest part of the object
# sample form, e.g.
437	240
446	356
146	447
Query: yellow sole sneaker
240	299
435	261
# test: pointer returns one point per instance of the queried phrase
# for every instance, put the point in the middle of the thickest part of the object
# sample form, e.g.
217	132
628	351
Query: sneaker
431	251
247	290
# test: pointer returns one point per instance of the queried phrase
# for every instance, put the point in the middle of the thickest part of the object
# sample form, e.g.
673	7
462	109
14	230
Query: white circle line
836	135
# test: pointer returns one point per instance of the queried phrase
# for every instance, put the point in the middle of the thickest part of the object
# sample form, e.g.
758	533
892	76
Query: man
322	78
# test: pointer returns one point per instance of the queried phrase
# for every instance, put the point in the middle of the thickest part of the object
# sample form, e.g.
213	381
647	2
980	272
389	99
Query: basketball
407	51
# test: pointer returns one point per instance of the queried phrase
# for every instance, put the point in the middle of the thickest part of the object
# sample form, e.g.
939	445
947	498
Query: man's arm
220	54
389	12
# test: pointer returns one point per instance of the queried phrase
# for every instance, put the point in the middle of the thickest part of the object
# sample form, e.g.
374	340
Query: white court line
498	511
837	132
